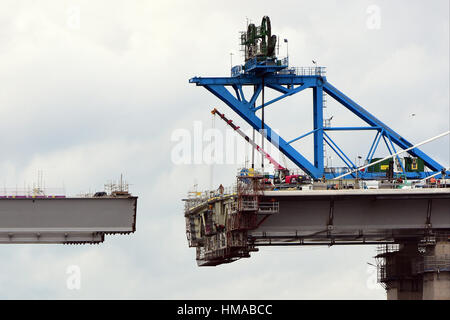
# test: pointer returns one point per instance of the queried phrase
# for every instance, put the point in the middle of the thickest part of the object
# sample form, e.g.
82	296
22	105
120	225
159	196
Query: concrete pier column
435	269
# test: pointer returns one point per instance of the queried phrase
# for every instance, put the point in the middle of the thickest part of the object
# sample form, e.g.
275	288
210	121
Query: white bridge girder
354	216
65	220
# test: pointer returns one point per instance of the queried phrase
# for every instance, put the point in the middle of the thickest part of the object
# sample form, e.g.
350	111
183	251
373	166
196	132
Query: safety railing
198	198
309	71
251	63
237	71
269	207
387	248
32	193
248	205
305	71
432	264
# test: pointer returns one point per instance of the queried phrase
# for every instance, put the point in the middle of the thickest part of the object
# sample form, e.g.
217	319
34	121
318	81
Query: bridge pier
413	274
435	269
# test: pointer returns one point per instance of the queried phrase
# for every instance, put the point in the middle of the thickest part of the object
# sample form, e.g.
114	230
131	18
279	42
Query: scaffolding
431	264
243	216
384	267
218	222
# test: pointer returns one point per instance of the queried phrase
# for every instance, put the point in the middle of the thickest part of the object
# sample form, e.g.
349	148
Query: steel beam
243	110
285	84
373	121
318	127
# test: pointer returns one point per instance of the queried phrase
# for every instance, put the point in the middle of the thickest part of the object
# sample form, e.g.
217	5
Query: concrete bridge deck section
353	216
65	220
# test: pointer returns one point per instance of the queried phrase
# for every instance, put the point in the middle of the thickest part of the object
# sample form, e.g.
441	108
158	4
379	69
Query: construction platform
65	220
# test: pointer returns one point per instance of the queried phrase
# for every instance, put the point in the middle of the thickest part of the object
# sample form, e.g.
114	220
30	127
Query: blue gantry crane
263	69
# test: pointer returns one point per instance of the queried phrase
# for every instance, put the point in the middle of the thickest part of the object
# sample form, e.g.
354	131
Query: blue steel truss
292	81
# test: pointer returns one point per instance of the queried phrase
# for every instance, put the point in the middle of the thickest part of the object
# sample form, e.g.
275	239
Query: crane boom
277	166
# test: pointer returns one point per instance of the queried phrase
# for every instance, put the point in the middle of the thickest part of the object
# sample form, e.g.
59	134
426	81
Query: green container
414	164
382	166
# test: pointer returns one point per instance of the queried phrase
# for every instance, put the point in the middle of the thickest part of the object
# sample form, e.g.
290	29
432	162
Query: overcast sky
87	97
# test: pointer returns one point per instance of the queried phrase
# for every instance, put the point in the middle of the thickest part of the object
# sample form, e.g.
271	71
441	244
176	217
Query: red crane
236	128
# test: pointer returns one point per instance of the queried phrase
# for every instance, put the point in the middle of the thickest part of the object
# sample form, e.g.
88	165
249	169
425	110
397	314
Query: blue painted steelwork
370	156
303	135
353	166
339	155
290	81
373	121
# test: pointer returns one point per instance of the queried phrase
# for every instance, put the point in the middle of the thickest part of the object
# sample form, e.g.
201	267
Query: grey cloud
86	105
